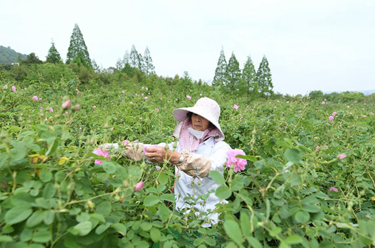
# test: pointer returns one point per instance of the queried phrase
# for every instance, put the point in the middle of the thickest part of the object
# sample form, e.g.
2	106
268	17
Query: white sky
326	45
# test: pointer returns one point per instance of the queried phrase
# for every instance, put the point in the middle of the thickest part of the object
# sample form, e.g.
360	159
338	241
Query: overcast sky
326	45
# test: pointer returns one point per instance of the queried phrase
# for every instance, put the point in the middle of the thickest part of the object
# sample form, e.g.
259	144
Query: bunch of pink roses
101	152
237	163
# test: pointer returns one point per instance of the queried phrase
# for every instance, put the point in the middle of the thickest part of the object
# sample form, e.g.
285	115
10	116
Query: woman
200	149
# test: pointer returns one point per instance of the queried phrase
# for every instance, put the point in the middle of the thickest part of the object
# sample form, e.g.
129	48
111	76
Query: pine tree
248	76
126	58
119	64
149	68
264	78
77	48
53	55
233	74
134	58
141	65
221	70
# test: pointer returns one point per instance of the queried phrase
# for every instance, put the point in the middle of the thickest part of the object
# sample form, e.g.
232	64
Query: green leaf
163	178
293	155
167	197
49	191
109	167
5	239
302	216
48	217
254	242
245	223
237	183
163	212
155	234
217	177
233	231
146	226
3	158
104	208
121	228
53	147
35	219
45	176
42	236
247	157
223	192
82	228
311	208
151	200
293	239
98	217
274	232
100	229
17	214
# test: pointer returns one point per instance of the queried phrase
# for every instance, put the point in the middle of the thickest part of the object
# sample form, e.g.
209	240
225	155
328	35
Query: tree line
247	80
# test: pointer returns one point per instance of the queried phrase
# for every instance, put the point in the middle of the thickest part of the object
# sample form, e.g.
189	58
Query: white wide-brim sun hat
205	107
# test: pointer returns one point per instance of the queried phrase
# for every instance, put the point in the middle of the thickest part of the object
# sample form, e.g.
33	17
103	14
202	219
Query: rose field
309	179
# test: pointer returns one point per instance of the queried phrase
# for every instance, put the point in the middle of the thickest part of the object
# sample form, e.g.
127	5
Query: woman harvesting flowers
200	149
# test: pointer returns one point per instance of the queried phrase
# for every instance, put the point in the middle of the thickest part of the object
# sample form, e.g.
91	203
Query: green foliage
221	71
77	51
8	55
52	193
53	55
233	74
264	78
31	59
247	83
148	66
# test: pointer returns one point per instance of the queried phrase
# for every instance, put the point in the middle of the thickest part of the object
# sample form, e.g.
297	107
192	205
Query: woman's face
199	123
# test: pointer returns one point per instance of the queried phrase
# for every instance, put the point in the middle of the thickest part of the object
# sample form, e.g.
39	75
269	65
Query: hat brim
180	114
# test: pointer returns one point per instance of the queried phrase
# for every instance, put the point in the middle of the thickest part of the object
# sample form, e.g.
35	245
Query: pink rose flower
51	110
14	89
317	148
139	186
188	97
146	97
334	113
123	92
157	110
287	101
66	104
333	189
40	98
331	118
238	163
101	152
342	156
35	98
157	167
131	103
323	102
94	107
235	106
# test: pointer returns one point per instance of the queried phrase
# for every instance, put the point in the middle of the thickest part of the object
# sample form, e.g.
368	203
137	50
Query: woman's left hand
155	154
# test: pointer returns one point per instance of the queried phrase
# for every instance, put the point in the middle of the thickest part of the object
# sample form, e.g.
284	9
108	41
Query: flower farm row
308	181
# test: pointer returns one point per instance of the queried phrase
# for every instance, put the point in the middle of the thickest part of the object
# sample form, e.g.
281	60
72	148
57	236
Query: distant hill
8	55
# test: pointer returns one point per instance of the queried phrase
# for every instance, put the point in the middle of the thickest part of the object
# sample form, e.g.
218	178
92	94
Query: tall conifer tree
233	74
221	70
126	58
264	78
248	76
53	55
149	68
134	58
78	48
